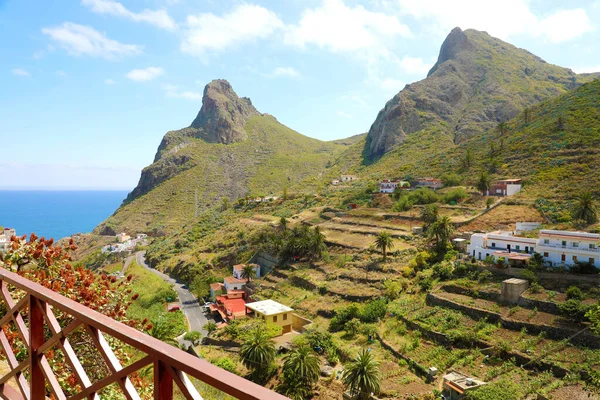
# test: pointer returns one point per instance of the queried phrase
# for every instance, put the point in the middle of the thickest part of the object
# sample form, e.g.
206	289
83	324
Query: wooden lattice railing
39	331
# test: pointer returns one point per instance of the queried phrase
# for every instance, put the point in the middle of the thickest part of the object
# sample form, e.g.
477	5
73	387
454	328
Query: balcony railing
39	330
572	248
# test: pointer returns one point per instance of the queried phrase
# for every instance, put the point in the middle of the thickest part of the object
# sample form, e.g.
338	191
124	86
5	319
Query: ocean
56	214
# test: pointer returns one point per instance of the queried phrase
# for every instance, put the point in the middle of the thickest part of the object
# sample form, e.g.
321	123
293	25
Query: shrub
529	275
342	316
535	288
442	271
426	284
573	292
373	310
455	195
584	268
489	202
226	364
351	327
403	204
392	289
462	269
423	196
485	276
573	310
449	179
192	336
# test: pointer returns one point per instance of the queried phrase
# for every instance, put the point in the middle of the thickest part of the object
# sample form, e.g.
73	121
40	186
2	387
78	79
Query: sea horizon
57	213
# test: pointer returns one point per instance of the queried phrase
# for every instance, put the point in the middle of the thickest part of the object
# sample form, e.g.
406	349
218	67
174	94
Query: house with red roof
239	268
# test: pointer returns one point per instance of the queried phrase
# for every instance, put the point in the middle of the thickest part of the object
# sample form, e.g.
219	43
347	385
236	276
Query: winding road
189	303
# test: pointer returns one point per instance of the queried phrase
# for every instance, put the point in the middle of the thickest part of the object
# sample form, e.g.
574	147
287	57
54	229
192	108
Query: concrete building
514	249
272	312
455	385
232	283
123	237
239	268
387	186
216	289
505	187
348	178
567	247
556	247
430	183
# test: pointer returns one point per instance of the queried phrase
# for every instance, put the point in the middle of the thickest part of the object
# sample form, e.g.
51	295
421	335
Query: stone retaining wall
551	332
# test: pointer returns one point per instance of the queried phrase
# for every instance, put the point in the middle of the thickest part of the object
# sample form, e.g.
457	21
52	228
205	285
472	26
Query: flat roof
570	234
460	380
268	307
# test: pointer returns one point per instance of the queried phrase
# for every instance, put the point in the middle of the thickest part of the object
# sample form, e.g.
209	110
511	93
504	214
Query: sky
89	87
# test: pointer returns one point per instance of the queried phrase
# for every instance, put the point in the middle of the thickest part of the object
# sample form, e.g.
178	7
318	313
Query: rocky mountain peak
223	114
455	42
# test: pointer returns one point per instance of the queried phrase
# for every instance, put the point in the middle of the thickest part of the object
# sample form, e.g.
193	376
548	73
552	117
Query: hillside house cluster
390	186
344	179
125	243
556	247
431	183
5	236
505	187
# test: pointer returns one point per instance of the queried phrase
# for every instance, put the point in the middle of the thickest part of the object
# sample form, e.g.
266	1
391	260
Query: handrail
170	363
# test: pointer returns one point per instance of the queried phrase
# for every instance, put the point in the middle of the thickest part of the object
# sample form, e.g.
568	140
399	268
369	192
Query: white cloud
339	28
109	81
246	23
159	18
358	100
391	84
145	74
414	65
288	72
61	73
19	72
173	91
502	19
85	40
587	70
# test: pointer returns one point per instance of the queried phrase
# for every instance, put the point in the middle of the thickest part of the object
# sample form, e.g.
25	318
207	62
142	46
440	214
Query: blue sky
89	87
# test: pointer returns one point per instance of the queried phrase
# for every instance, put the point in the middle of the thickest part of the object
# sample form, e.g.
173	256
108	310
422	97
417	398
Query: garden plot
390	225
357	241
503	217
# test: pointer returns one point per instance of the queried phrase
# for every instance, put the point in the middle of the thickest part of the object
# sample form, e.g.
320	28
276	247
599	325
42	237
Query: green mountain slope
197	166
477	82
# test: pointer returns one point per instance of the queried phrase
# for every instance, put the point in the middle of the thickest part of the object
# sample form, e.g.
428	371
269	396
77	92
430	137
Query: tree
257	352
301	368
526	115
210	327
248	272
483	184
585	209
163	330
384	243
316	244
361	375
441	230
502	128
225	203
467	160
429	214
285	194
283	224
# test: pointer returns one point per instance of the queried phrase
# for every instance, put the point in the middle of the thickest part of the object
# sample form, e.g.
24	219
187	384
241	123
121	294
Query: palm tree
502	128
248	272
441	230
585	209
483	184
384	243
361	376
316	244
162	330
257	352
301	369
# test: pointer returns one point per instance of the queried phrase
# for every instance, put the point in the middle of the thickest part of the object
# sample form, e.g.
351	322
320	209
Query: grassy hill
272	158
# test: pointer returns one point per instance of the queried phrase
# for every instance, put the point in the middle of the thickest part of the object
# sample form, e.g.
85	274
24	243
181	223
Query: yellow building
273	312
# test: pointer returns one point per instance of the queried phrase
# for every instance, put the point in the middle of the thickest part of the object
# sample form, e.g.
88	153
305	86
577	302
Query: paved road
189	304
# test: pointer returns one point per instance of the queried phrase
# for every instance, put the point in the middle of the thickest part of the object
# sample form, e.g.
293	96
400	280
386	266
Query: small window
546	241
285	317
563	257
592	246
493	244
592	261
275	318
545	254
574	258
564	243
575	244
518	248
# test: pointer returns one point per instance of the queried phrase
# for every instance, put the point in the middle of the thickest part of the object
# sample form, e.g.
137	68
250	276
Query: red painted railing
39	330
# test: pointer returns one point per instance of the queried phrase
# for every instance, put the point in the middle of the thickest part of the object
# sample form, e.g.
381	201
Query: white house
233	283
273	312
556	247
238	269
505	187
387	186
5	236
567	247
348	178
123	237
501	244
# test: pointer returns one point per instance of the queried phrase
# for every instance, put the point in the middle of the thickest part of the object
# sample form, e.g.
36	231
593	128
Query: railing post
163	382
36	340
